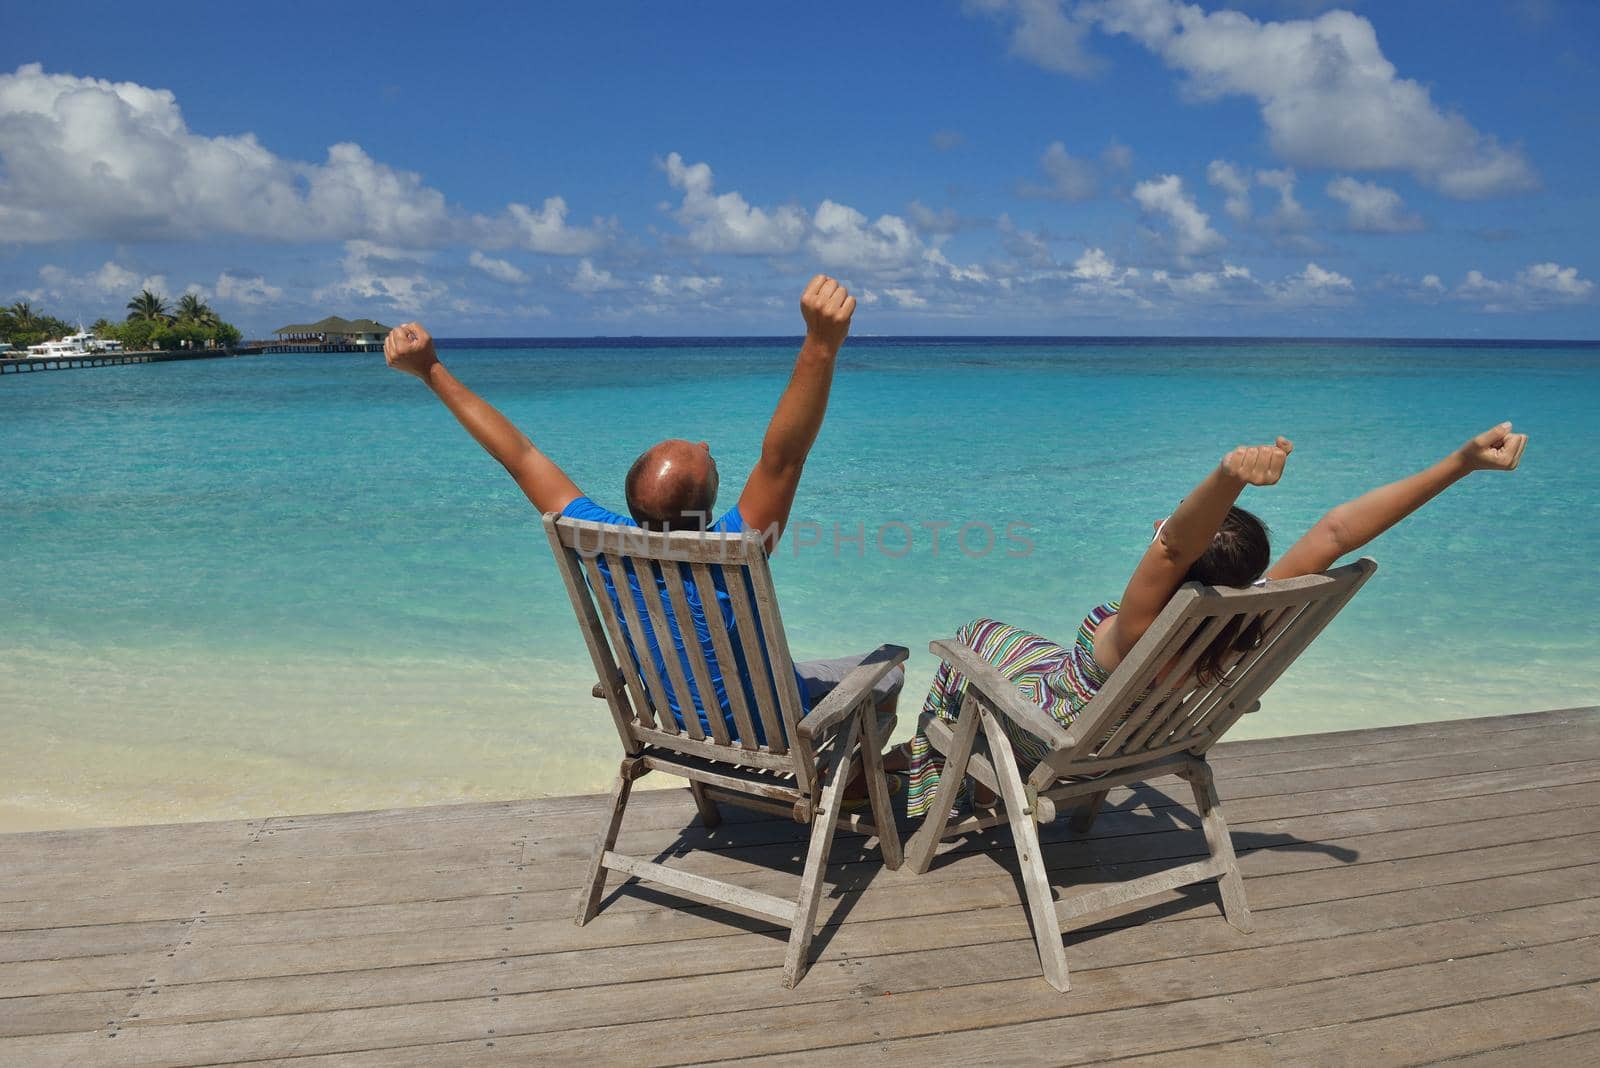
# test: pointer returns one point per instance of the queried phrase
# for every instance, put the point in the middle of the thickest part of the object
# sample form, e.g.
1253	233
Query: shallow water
291	583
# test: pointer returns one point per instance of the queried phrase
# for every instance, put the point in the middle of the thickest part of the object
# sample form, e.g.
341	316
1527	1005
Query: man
673	484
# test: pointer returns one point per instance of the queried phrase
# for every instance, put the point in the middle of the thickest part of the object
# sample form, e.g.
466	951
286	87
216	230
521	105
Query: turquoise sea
291	583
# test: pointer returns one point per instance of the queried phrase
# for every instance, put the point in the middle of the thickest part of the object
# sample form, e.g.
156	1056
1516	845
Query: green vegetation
21	326
149	325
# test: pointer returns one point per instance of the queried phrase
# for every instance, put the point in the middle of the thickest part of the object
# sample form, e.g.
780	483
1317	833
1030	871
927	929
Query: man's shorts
822	677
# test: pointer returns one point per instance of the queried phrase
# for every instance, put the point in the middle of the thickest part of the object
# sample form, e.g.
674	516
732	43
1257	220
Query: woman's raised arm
1351	525
1183	538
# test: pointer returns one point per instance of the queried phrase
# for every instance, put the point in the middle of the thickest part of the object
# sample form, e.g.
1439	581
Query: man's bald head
673	486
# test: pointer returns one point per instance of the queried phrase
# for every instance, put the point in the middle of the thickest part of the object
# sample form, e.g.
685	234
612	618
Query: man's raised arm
409	348
769	494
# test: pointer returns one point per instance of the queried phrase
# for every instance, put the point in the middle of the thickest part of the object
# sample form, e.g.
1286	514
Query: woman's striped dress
1058	679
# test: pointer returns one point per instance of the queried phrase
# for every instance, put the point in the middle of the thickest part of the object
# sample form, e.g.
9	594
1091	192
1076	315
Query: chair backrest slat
638	593
1178	684
1240	667
1153	701
639	695
623	710
732	684
784	680
755	663
694	652
1117	733
650	576
639	635
1307	626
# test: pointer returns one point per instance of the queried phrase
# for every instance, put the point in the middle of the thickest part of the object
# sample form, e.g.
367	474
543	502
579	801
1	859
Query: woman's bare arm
1351	525
1183	539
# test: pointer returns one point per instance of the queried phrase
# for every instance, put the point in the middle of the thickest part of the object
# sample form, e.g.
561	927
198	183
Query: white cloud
589	279
90	158
1043	33
110	283
842	237
1164	198
1069	178
1536	286
1556	280
384	275
1289	214
943	221
501	270
1328	95
946	140
1235	184
905	297
726	222
545	230
251	290
1314	285
1372	208
693	285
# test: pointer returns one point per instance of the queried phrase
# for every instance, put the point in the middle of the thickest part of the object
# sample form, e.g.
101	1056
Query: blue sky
993	166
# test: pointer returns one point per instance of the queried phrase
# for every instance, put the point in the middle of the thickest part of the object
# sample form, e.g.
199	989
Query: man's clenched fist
827	307
1258	465
409	348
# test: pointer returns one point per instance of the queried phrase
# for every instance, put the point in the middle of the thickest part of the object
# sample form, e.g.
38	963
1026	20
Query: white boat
82	343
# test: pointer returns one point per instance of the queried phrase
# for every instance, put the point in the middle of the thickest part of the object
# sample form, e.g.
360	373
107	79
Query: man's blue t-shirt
731	523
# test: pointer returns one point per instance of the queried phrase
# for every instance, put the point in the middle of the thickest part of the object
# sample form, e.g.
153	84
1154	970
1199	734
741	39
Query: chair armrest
849	692
1001	693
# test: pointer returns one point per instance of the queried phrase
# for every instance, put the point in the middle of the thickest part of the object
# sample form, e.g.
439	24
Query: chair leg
1230	883
925	842
1083	816
883	817
1041	903
823	823
710	815
594	884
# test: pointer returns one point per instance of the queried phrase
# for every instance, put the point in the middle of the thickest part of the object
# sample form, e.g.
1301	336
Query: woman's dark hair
1237	556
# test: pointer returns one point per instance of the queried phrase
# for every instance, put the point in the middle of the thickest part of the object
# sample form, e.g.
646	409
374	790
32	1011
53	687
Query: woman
1206	539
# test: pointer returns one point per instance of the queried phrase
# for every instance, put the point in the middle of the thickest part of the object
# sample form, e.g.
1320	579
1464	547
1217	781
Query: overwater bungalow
333	331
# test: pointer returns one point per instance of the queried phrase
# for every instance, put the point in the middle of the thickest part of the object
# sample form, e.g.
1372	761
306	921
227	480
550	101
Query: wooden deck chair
1151	718
773	756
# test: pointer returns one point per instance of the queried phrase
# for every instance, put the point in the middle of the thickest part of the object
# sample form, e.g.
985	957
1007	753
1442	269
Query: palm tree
191	309
148	306
22	314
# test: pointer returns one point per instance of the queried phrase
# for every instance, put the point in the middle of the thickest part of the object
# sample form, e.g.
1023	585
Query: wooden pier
1421	894
11	365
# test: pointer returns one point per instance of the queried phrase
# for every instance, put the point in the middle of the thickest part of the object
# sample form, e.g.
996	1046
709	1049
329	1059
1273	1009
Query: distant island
150	325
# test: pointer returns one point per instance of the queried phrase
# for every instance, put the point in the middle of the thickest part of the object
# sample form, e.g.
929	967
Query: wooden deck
1421	893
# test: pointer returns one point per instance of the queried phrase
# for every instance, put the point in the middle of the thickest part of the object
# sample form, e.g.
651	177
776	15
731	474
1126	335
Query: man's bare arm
409	348
1351	525
769	494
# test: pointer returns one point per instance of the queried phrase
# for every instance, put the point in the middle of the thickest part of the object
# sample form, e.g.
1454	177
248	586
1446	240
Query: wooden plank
594	637
640	636
996	943
710	891
1142	1030
694	651
570	1028
649	574
642	696
1010	1022
1557	1026
705	583
756	663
